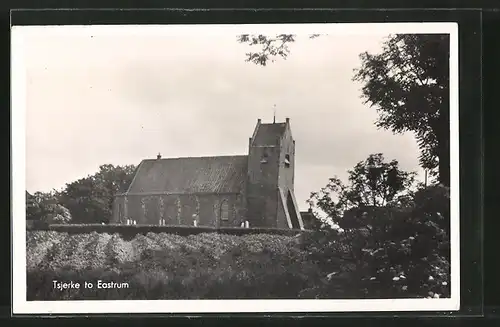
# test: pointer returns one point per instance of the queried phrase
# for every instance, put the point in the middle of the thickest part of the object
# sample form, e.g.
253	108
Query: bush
404	252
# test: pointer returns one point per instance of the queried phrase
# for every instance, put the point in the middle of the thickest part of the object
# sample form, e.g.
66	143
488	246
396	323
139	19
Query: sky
94	97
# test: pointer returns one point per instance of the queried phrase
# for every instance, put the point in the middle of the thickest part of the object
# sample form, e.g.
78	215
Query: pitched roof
268	133
307	215
310	220
223	174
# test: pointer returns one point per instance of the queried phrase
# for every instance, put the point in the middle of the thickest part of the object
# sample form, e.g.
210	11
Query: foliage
433	202
44	207
395	248
90	199
270	47
376	266
372	183
408	84
60	215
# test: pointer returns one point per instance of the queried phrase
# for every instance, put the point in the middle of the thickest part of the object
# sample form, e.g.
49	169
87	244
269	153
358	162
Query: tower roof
267	134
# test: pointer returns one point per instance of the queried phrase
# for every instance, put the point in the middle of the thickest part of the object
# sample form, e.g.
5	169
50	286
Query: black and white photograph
235	168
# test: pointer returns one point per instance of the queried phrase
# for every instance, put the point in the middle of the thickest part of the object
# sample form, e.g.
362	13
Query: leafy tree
45	207
372	183
37	205
32	207
85	199
90	199
270	47
394	240
114	180
408	84
433	203
59	215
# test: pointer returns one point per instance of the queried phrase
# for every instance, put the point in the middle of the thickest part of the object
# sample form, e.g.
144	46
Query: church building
218	191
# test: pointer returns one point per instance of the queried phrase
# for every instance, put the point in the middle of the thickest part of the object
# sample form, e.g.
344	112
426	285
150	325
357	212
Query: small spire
158	156
274	114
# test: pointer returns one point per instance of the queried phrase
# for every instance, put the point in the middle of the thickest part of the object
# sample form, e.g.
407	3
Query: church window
287	160
197	206
143	207
125	207
120	213
224	210
179	209
161	207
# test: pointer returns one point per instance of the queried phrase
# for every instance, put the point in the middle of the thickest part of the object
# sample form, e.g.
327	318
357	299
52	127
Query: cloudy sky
94	97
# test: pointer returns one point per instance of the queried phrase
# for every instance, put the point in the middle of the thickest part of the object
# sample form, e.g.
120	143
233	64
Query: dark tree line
87	200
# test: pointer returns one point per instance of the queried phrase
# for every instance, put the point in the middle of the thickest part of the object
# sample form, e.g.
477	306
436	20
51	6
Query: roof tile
222	174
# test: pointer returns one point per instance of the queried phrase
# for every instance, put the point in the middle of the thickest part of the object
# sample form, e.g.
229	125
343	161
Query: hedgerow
167	266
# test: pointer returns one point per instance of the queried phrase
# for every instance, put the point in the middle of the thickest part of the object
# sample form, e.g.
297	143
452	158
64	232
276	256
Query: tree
32	207
408	84
90	199
271	47
59	215
394	240
45	207
114	180
372	183
86	200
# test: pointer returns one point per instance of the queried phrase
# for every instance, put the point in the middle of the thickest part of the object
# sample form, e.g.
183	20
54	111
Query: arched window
197	200
120	212
179	209
161	208
125	208
224	210
144	209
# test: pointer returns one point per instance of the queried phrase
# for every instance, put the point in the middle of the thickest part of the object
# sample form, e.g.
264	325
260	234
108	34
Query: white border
18	107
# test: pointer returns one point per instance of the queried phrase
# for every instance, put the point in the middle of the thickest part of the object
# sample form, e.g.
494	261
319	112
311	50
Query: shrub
403	253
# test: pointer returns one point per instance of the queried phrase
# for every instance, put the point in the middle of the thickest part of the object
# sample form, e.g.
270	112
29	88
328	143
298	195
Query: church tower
270	185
